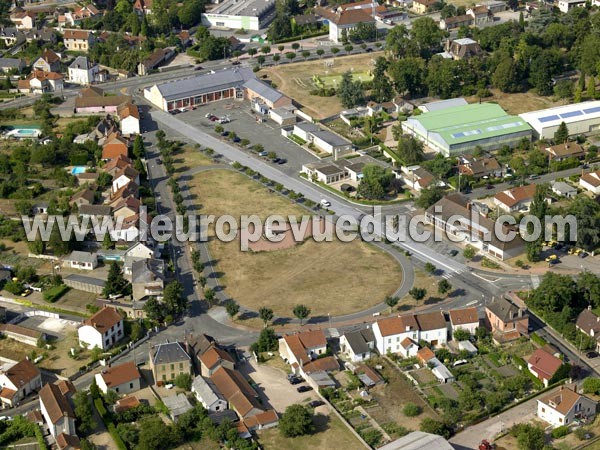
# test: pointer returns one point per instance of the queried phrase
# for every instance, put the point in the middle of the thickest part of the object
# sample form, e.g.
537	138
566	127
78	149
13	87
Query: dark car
276	160
158	161
316	403
591	355
369	50
225	133
282	161
583	255
453	252
295	380
303	388
236	139
489	186
198	68
236	63
213	118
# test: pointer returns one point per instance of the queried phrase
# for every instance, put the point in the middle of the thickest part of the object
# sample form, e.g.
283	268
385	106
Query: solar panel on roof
571	114
592	110
548	118
458	135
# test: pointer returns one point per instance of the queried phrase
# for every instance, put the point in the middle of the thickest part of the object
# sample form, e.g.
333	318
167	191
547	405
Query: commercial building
207	88
456	130
580	118
235	14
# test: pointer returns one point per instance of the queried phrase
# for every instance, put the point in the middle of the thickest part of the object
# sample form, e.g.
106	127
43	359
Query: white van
325	203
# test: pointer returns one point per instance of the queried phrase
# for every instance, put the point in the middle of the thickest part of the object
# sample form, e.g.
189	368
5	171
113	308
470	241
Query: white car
325	203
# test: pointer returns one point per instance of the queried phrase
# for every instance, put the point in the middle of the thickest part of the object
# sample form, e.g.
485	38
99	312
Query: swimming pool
24	132
78	169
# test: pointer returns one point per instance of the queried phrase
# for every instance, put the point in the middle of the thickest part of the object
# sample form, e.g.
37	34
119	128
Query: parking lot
273	386
243	124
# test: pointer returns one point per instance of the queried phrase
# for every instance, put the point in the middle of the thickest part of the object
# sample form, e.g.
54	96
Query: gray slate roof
206	390
202	84
177	404
94	210
81	62
87	280
263	89
331	138
79	256
11	63
169	352
358	340
504	309
147	270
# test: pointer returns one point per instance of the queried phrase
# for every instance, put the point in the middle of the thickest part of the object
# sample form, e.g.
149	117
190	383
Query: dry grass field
518	103
295	81
334	277
330	434
189	158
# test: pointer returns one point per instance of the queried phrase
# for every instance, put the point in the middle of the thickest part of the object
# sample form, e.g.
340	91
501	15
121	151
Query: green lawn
335	80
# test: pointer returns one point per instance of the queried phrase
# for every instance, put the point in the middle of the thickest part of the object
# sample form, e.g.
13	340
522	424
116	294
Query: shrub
183	381
411	410
559	432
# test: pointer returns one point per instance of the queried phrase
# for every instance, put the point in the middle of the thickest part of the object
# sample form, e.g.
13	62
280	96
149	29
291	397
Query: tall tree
350	92
115	282
232	308
408	75
175	301
427	35
562	134
410	150
382	88
591	88
297	420
83	412
138	147
538	208
301	312
266	315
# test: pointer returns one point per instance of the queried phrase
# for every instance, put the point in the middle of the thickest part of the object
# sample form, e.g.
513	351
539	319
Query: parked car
282	161
583	254
263	154
276	160
213	118
236	139
236	63
591	354
316	403
453	253
208	115
225	133
325	203
198	68
303	388
224	120
295	380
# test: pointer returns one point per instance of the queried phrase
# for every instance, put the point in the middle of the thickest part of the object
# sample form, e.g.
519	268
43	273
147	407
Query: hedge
110	426
537	339
55	292
40	438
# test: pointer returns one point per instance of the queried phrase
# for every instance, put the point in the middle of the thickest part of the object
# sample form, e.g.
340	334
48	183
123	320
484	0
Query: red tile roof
512	197
104	319
123	373
544	364
397	325
464	316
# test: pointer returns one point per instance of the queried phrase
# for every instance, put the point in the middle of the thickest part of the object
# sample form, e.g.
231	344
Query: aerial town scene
299	224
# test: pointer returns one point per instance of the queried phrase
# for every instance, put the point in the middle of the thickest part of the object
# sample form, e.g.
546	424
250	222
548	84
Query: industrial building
240	14
459	129
195	91
580	118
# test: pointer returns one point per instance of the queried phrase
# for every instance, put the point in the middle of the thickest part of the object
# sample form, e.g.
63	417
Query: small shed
178	405
468	346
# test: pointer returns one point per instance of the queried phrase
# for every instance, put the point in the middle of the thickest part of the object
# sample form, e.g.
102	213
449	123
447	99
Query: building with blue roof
580	118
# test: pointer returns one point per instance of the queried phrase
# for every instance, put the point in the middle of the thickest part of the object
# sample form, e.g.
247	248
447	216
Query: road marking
535	281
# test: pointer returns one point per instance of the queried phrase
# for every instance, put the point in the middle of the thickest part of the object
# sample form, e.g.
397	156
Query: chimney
511	314
407	327
520	312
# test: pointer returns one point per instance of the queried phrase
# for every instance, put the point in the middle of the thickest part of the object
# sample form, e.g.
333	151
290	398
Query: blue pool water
78	169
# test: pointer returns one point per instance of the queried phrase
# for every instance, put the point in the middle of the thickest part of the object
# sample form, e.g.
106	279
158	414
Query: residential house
589	324
115	165
417	177
466	319
81	260
129	118
208	395
401	105
124	177
480	167
74	18
213	358
408	348
481	15
454	22
324	172
439	370
261	421
422	6
515	199
358	345
23	20
391	331
543	365
123	379
48	62
196	345
564	406
43	36
11	36
234	387
114	146
147	278
458	217
100	212
591	181
137	252
569	149
463	48
432	327
57	411
169	360
38	82
126	208
91	100
103	330
344	21
506	320
78	40
300	348
126	403
84	197
143	6
14	65
566	5
83	71
18	381
158	57
368	376
563	189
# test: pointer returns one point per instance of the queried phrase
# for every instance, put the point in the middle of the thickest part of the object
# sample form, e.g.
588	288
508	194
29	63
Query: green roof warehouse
456	130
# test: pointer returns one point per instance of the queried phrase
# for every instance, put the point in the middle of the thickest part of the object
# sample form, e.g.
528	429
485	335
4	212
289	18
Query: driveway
273	386
489	429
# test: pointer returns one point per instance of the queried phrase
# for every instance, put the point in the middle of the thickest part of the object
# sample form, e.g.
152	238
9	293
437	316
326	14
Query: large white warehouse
579	118
237	14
